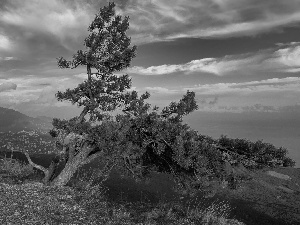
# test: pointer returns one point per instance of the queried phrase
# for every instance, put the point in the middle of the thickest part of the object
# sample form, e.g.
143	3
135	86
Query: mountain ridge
14	121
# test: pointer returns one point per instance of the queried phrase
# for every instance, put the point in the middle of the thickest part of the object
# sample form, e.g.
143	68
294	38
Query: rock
227	168
279	175
285	189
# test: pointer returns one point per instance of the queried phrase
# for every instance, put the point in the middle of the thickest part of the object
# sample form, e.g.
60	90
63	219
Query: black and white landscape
202	94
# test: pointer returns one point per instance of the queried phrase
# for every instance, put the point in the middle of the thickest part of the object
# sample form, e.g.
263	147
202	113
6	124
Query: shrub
257	154
178	213
15	167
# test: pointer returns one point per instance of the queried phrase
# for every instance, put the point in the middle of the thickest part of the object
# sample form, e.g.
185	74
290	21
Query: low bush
15	168
260	153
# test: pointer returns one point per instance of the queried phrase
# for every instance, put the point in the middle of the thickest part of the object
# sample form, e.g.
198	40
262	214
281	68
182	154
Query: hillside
264	199
21	132
13	121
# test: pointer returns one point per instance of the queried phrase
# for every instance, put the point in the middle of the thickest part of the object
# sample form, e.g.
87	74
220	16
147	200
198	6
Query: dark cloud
45	84
208	102
37	32
229	108
258	84
171	19
4	3
213	102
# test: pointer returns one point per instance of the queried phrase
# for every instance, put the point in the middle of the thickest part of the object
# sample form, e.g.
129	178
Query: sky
241	58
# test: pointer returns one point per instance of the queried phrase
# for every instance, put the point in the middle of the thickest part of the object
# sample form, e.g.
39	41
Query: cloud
160	90
38	94
171	19
284	58
7	86
155	70
207	103
283	85
264	95
287	109
37	32
5	43
34	33
59	19
220	67
33	90
259	108
33	26
9	58
213	102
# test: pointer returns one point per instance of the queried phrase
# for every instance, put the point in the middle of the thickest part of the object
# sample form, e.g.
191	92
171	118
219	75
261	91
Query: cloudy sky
237	56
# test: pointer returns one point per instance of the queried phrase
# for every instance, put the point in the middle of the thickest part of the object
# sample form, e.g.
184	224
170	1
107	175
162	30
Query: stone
279	175
285	189
227	168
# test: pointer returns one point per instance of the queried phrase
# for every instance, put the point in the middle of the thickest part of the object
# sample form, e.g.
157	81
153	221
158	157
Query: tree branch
166	143
35	165
83	114
223	149
124	158
105	171
92	157
89	72
128	113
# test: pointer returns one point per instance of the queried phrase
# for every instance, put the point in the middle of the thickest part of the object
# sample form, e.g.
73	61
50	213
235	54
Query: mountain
20	132
11	120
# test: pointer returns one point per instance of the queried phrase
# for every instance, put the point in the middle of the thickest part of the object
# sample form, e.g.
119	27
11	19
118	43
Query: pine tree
107	50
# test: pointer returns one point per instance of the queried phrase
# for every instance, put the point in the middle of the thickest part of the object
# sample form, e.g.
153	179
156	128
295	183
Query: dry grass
15	168
30	202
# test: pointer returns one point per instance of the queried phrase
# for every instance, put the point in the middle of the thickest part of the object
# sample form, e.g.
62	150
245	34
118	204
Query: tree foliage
260	153
107	51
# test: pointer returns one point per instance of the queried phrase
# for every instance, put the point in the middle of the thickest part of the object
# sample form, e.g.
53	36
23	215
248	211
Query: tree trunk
67	173
71	167
49	173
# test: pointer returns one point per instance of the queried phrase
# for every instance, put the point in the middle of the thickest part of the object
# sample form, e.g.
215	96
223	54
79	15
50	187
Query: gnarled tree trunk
70	168
73	164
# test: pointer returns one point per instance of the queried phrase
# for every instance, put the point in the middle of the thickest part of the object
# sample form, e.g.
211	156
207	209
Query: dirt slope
271	197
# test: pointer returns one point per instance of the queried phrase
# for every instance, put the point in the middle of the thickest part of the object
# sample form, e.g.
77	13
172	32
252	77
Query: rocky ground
269	196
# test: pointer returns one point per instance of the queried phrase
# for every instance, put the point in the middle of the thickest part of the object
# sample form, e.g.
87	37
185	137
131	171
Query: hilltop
14	121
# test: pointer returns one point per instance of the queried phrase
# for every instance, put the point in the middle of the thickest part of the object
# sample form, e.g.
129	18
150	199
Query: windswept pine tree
127	140
107	50
119	128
